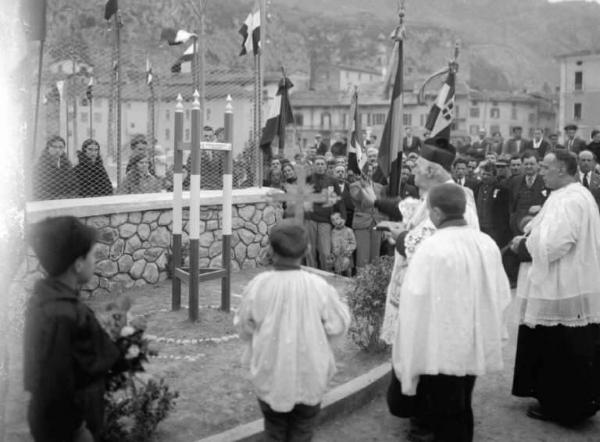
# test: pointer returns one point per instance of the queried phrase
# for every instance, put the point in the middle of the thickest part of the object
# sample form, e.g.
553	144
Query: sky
556	1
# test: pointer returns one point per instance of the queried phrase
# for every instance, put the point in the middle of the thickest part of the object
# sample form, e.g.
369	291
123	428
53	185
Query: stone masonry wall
134	248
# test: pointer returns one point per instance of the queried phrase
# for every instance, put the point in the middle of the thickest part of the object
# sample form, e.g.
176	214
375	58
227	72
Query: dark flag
33	13
441	113
250	30
89	93
175	37
149	76
280	115
356	157
187	56
390	148
110	9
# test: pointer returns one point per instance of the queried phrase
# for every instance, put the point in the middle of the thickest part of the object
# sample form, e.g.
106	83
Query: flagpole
117	23
282	119
261	72
91	100
37	99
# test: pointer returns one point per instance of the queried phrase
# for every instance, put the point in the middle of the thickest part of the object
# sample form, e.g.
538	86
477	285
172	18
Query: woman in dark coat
90	173
53	176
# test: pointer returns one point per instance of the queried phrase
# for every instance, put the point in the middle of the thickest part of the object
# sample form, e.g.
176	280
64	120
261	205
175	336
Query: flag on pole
356	157
280	115
89	90
250	30
149	76
441	113
390	148
175	37
187	56
110	9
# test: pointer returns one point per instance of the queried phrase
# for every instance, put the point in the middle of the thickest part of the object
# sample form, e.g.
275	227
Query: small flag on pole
441	114
89	90
110	9
356	157
187	56
149	76
175	37
390	148
280	115
250	30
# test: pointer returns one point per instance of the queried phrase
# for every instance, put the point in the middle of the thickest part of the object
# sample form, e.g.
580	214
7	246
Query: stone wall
134	247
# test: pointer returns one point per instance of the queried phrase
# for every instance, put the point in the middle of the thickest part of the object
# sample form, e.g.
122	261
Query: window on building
379	119
495	112
474	103
97	117
299	119
407	119
513	111
326	120
168	115
368	119
578	80
84	117
208	114
494	129
167	134
532	118
186	135
474	112
474	129
577	111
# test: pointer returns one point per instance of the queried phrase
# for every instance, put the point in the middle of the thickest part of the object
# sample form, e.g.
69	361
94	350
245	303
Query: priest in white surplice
432	168
558	348
449	327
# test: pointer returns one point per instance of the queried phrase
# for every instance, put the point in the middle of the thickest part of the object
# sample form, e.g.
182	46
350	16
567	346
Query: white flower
132	352
127	331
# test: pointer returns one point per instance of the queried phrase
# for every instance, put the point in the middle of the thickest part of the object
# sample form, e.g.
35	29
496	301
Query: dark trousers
296	425
442	405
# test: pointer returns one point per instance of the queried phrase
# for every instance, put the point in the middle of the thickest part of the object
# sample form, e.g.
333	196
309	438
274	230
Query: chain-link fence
82	151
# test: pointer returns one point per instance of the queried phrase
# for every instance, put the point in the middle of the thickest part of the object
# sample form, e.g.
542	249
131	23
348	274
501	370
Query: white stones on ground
246	212
206	239
177	341
108	235
98	221
133	244
150	216
127	230
237	222
262	227
144	231
246	236
165	218
102	252
125	263
137	269
116	219
215	249
125	280
152	253
161	237
107	268
251	227
116	250
150	274
135	217
269	215
253	250
240	252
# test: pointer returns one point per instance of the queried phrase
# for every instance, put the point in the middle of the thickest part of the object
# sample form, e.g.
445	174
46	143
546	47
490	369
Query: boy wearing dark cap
67	353
572	142
288	317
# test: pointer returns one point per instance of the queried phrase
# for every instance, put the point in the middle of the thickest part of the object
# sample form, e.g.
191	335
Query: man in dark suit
587	170
411	143
527	192
553	142
406	189
538	145
343	178
320	146
492	200
481	146
572	142
460	175
516	143
594	145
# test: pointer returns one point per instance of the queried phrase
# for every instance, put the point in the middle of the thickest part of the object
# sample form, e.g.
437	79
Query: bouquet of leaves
135	403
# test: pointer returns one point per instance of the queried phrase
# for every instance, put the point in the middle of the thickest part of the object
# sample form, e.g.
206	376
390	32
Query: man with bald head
587	171
449	323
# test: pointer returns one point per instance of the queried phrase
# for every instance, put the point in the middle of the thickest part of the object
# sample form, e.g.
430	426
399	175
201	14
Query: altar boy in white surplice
449	327
288	317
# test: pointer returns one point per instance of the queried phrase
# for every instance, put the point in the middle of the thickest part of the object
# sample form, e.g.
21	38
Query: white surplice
419	227
562	283
288	318
450	317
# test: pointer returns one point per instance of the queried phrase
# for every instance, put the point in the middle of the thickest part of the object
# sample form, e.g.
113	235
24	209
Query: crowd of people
507	190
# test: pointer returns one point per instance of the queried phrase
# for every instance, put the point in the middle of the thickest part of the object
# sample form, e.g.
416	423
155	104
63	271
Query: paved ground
499	417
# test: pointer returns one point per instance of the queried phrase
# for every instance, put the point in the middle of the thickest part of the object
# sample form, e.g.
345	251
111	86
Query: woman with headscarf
139	179
90	173
53	175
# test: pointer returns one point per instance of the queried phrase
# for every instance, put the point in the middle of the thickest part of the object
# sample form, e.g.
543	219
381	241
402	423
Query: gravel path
499	417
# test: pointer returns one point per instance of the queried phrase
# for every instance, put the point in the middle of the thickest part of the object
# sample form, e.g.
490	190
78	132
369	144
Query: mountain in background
508	44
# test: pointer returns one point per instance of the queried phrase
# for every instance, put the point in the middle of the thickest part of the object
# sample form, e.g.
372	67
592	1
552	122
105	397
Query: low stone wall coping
105	205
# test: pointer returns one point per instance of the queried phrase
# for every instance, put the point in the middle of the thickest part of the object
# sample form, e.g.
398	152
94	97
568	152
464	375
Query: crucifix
302	195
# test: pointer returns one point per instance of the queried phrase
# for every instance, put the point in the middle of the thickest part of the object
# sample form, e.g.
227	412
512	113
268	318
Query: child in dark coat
67	354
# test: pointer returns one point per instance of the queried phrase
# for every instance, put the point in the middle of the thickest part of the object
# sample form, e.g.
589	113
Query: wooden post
227	209
176	260
194	222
